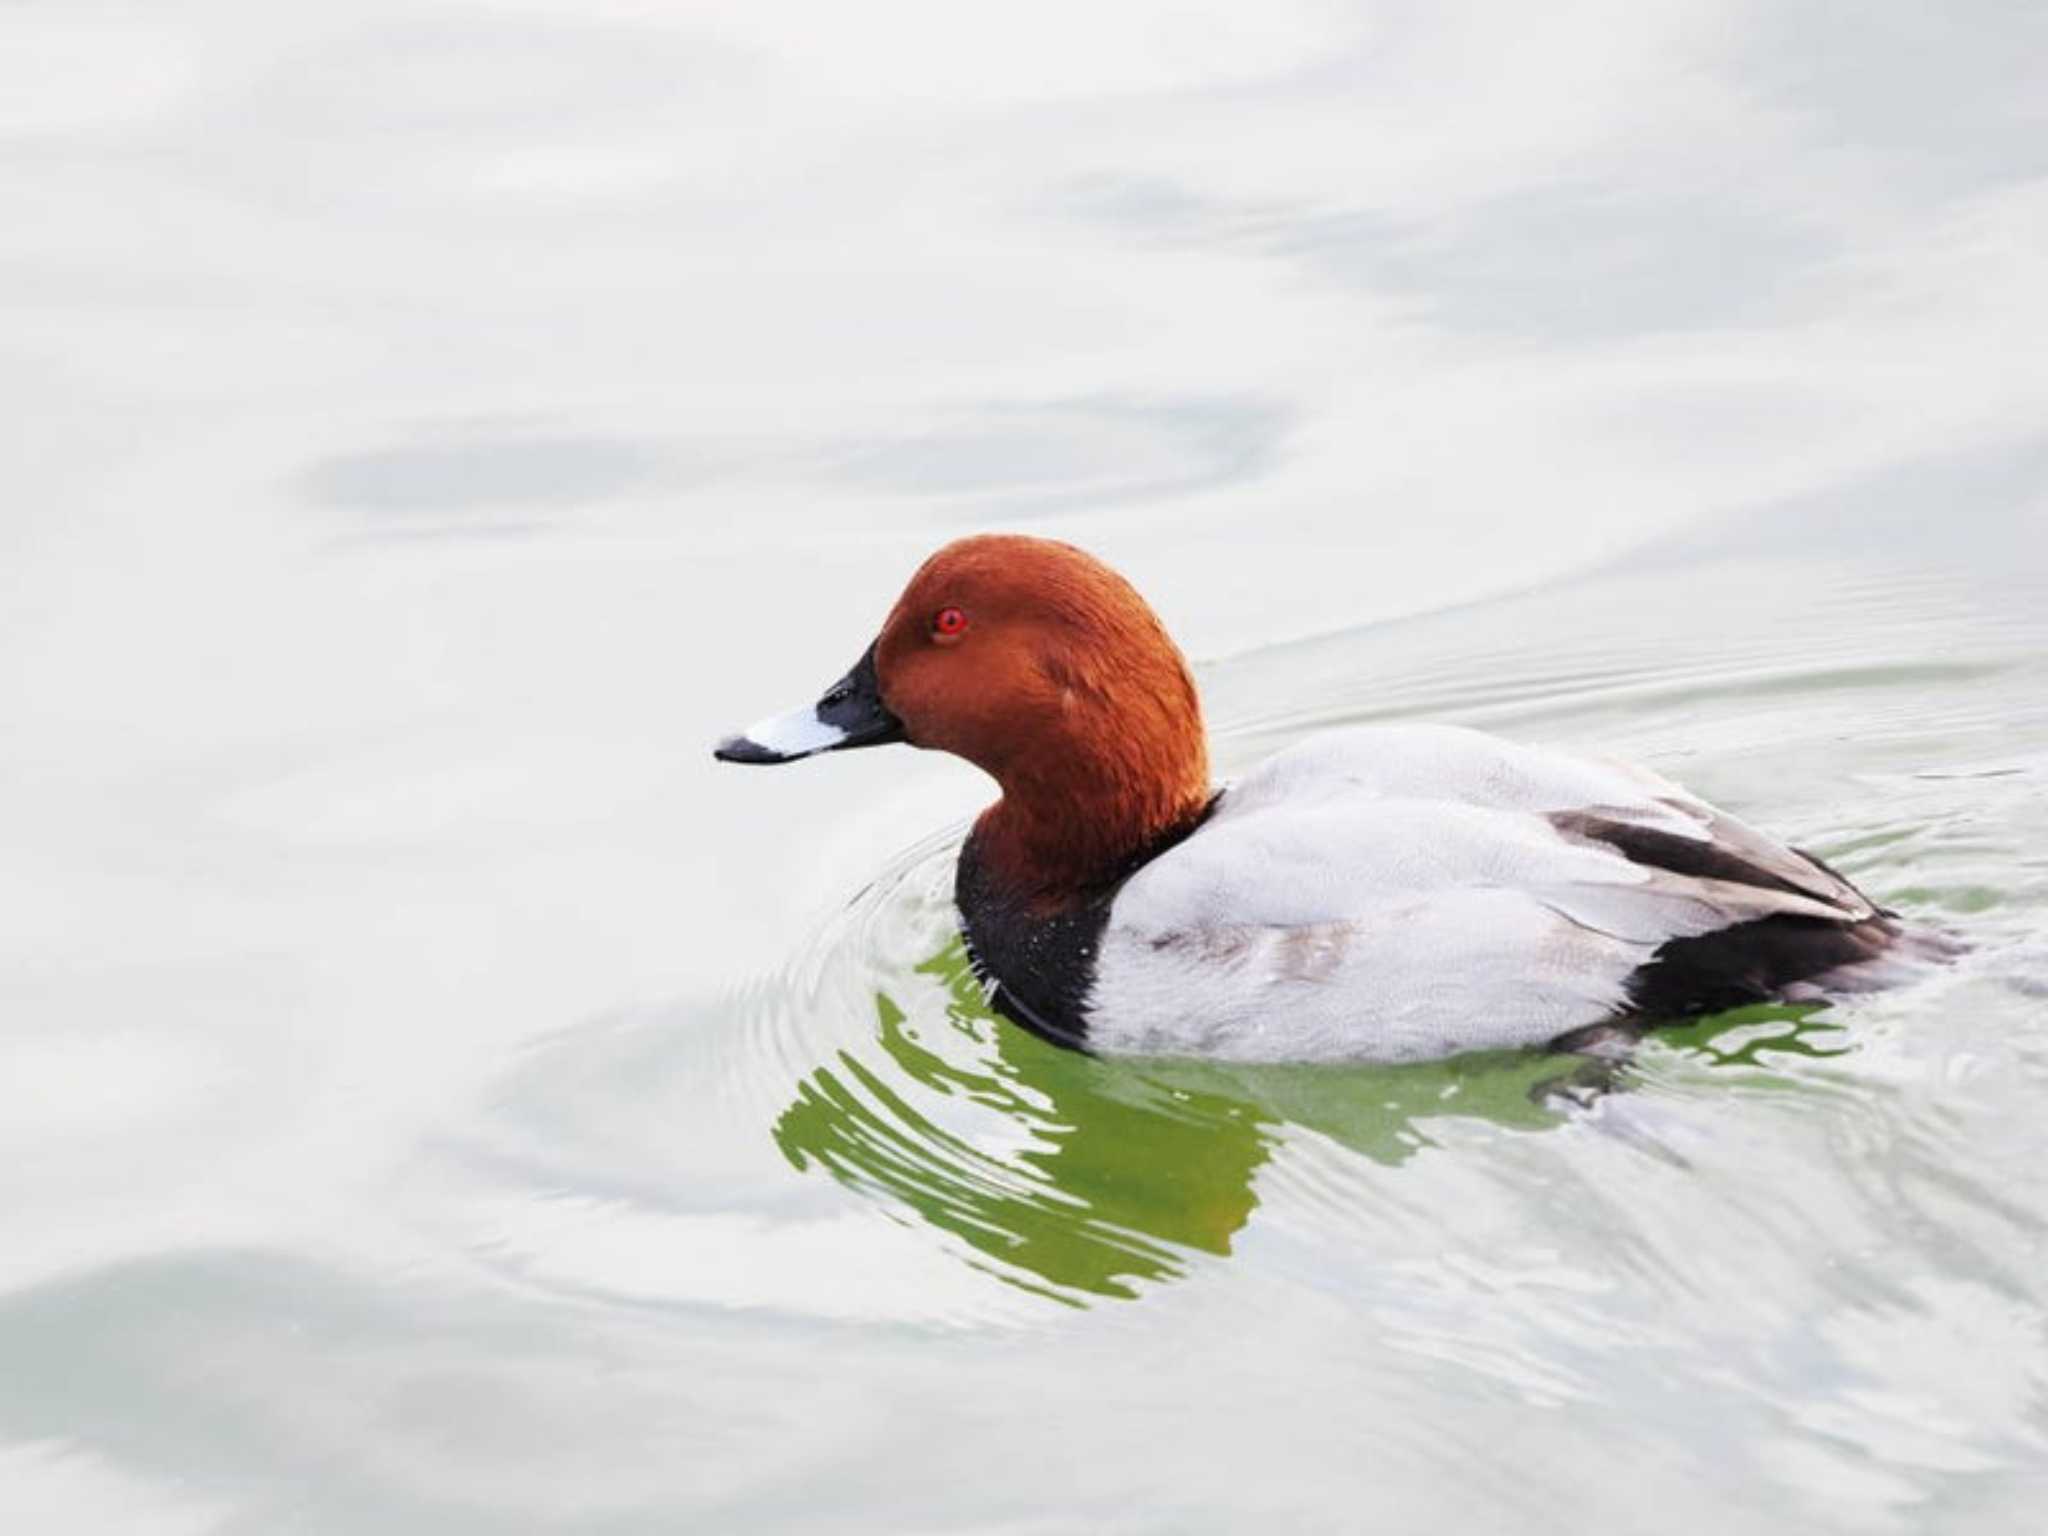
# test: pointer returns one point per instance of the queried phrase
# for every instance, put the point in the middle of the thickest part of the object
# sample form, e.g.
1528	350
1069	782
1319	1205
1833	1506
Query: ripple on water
1724	1247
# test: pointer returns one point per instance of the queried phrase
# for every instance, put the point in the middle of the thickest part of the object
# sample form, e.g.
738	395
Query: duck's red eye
949	622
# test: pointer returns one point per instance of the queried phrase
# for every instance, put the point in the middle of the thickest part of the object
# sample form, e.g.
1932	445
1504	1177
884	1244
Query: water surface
435	1097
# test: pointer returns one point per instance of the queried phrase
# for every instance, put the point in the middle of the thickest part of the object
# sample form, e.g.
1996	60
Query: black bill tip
742	749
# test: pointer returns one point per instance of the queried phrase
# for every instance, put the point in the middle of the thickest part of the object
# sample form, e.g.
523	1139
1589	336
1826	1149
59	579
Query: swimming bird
1379	893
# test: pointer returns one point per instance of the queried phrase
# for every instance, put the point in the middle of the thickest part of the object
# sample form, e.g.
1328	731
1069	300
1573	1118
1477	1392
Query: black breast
1041	962
1042	965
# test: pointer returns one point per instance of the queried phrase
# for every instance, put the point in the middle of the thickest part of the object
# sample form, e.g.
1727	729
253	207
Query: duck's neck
1055	840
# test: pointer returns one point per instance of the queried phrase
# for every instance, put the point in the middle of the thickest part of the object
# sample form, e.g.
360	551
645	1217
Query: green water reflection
1099	1179
1083	1178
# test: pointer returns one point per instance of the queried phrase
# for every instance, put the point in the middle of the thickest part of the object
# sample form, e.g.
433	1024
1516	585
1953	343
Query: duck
1383	893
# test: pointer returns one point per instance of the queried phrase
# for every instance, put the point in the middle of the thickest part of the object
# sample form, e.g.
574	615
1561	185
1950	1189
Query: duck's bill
851	714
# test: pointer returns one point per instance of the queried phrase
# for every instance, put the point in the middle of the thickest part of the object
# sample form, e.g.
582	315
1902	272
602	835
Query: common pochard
1380	893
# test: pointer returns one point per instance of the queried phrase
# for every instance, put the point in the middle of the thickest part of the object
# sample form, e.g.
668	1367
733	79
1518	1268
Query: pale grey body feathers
1400	892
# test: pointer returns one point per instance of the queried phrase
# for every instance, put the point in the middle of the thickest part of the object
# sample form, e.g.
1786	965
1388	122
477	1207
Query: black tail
1783	959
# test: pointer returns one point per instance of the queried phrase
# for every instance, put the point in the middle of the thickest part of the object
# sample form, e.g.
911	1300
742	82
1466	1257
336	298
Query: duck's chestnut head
1037	663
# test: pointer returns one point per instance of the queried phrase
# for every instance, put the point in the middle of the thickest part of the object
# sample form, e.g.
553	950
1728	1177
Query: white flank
1397	892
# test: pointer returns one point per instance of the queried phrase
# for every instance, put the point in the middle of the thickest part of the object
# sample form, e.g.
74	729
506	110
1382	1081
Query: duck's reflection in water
1079	1178
1057	1170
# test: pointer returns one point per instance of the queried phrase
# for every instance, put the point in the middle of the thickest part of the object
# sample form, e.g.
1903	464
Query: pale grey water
433	1097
